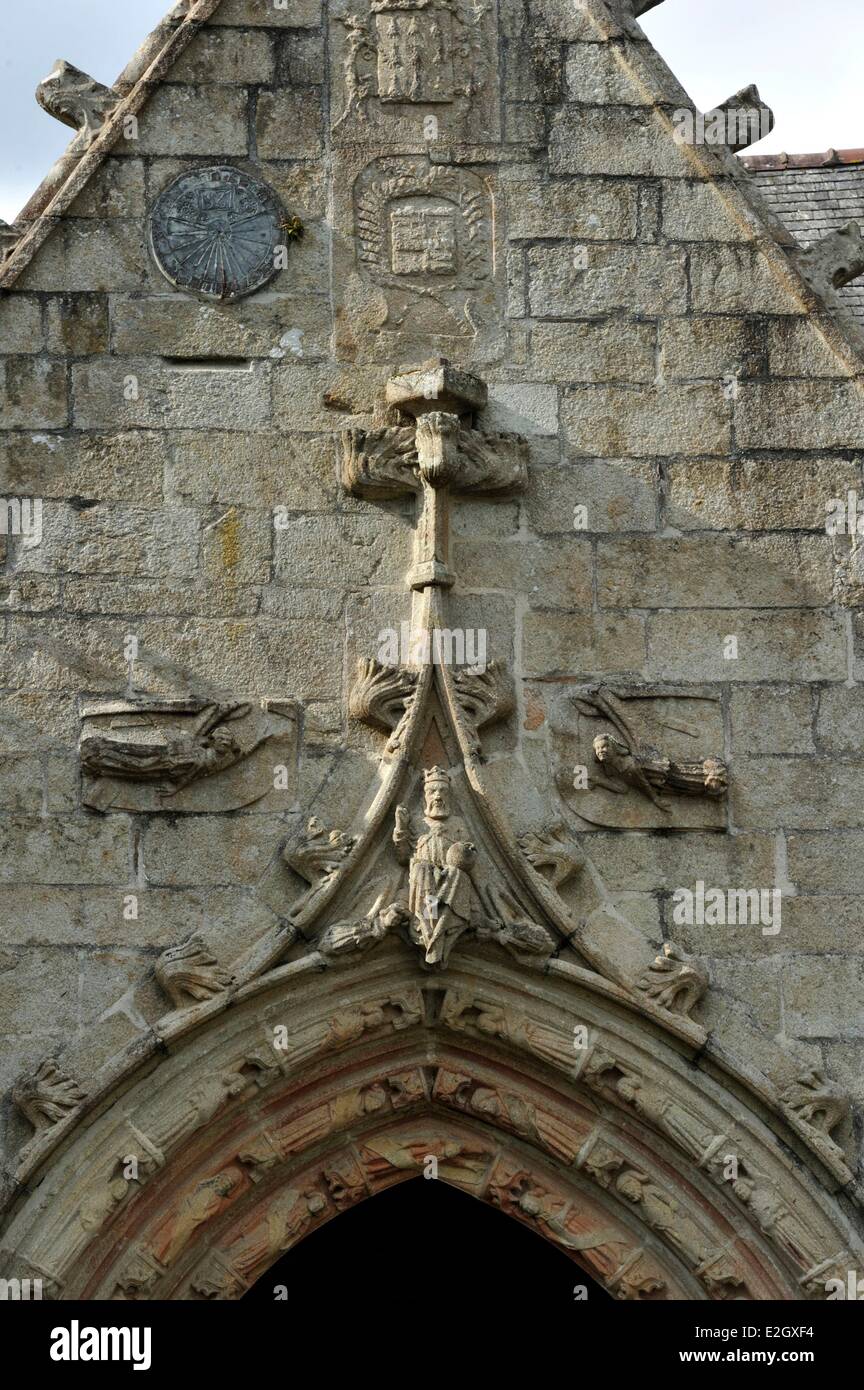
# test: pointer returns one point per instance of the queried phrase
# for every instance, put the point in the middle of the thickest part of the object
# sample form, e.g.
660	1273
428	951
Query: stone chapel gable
426	454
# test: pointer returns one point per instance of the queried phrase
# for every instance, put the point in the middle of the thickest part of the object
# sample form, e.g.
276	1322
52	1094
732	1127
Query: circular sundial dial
215	231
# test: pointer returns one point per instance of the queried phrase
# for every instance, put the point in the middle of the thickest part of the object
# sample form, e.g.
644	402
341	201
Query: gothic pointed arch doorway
458	1243
637	1156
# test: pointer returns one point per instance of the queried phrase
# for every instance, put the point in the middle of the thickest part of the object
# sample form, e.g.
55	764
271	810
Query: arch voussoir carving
317	1090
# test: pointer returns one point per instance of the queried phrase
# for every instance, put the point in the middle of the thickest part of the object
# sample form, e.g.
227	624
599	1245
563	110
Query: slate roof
812	194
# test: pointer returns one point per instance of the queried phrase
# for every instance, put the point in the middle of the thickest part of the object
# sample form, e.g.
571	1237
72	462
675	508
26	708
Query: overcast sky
805	55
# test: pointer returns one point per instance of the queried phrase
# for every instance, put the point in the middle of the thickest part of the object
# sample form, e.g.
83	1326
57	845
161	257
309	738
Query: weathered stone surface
34	393
756	495
589	281
195	850
280	327
771	646
614	421
772	719
348	552
603	351
78	324
768	571
798	348
823	861
815	1007
553	574
36	850
617	140
141	392
594	210
218	56
116	540
738	279
289	124
799	793
799	415
706	212
840	720
618	495
21	324
706	348
609	499
299	14
125	467
578	646
190	120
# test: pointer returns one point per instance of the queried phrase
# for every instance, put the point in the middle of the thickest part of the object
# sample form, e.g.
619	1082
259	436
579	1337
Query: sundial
216	232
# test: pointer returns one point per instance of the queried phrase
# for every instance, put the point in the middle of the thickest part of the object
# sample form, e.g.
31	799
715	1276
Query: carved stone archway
618	1151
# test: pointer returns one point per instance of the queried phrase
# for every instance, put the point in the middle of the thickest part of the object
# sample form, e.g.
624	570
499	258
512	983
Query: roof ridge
828	159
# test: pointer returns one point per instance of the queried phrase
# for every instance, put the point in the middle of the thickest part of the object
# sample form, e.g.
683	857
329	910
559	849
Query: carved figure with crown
441	893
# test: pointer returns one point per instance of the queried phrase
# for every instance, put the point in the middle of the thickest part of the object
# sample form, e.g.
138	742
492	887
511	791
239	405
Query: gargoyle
77	100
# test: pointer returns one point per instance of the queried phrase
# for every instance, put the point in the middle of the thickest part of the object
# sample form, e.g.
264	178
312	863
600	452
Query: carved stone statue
626	761
642	768
650	771
552	850
318	853
440	889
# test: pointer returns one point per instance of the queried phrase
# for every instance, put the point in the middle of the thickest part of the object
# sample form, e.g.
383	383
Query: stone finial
745	117
640	7
674	981
834	261
47	1095
76	99
190	973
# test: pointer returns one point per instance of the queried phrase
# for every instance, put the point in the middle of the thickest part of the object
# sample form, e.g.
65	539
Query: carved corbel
191	973
834	261
76	99
674	981
47	1096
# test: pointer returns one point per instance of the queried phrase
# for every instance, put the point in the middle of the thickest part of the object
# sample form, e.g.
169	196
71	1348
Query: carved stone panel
417	262
148	754
641	761
414	69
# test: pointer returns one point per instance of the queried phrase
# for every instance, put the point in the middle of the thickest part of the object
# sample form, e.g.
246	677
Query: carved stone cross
438	455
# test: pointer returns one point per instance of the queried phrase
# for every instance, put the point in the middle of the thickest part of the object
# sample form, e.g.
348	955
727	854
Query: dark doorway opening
419	1237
